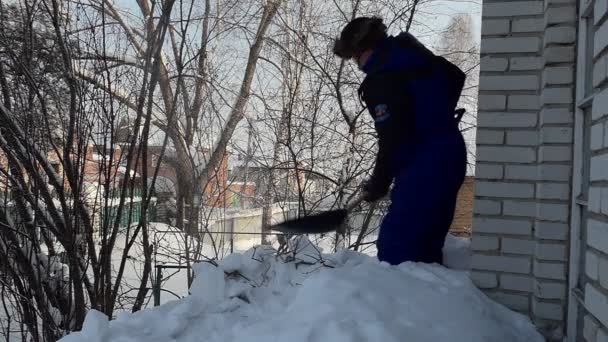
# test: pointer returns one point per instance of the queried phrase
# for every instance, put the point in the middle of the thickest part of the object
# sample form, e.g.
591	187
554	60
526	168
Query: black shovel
328	221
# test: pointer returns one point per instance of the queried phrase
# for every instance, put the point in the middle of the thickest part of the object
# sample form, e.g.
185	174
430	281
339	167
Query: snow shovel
318	223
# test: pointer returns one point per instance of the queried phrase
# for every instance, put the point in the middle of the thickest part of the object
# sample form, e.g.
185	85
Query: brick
602	335
484	280
517	246
484	243
557	191
553	212
600	71
486	207
606	134
558	75
550	290
506	154
560	35
556	116
556	96
528	25
600	105
516	208
521	172
485	171
492	102
516	282
600	9
550	172
555	3
501	263
600	39
489	63
558	15
526	63
545	310
551	251
522	138
512	301
603	271
597	303
501	226
510	45
551	270
605	201
524	102
592	265
512	9
556	135
555	153
559	54
597	235
590	328
597	136
551	230
495	27
506	120
517	82
594	201
487	137
599	167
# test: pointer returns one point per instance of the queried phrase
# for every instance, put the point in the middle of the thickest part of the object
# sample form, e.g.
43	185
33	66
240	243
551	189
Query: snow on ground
309	296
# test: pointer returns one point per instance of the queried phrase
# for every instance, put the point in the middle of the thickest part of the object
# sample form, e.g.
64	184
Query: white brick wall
525	63
502	263
510	154
488	171
508	45
525	155
507	120
484	280
596	302
494	64
512	9
524	102
502	226
506	190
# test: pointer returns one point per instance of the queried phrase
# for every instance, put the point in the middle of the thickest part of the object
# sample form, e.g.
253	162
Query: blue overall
412	100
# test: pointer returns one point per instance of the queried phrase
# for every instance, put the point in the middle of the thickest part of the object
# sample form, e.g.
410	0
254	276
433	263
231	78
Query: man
412	96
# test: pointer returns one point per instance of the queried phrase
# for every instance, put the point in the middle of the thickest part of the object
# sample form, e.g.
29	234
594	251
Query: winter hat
360	34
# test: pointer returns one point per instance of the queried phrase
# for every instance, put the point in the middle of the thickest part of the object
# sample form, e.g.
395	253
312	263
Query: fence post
159	278
232	235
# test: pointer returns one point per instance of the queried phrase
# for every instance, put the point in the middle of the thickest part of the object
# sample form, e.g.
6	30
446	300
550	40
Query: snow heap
305	295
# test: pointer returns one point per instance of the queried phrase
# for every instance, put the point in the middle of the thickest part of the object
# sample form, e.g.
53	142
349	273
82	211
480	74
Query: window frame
582	112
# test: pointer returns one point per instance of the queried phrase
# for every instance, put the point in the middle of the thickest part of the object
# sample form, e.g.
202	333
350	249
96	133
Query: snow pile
305	295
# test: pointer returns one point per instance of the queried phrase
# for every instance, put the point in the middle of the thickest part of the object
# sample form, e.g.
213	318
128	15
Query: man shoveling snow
307	296
412	96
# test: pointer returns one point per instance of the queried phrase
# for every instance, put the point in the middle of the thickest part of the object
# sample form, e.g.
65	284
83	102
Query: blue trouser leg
423	201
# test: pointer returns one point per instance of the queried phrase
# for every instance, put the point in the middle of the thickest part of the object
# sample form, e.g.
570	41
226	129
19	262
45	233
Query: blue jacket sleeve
389	107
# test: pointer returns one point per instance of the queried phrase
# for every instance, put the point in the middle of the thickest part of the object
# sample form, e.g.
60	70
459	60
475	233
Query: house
463	216
540	230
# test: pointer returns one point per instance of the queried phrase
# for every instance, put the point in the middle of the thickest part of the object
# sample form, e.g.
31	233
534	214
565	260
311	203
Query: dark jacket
411	94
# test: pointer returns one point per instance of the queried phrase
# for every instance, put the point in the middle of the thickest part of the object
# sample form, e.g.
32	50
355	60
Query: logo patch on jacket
381	113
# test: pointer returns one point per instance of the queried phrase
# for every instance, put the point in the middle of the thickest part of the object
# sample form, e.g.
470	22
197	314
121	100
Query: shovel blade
314	224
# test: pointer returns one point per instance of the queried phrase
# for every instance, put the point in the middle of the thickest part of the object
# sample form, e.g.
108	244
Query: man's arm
388	107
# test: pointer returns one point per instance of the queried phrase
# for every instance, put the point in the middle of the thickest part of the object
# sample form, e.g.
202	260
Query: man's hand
372	191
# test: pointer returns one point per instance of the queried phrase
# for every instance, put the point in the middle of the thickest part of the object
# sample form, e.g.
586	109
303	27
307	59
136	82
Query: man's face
362	58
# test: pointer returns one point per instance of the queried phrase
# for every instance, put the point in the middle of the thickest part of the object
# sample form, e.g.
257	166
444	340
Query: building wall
463	217
593	281
524	156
